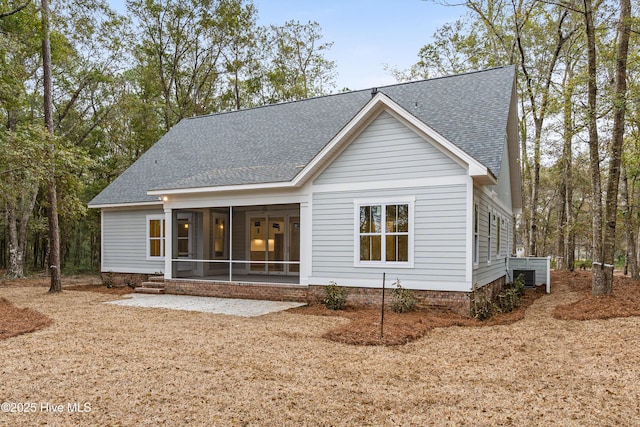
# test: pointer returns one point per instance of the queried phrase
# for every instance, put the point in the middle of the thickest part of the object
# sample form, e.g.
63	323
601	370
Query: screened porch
254	244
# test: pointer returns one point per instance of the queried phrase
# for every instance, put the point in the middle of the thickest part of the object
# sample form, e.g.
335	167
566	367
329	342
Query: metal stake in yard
382	311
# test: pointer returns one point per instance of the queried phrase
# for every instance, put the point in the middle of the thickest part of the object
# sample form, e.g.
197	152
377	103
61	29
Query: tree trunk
629	228
52	196
561	247
17	215
568	233
604	233
615	152
598	284
15	269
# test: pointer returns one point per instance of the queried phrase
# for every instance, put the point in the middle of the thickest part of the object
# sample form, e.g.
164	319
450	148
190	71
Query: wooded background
121	82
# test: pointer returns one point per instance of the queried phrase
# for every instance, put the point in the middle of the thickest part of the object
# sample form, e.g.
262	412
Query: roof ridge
467	73
220	113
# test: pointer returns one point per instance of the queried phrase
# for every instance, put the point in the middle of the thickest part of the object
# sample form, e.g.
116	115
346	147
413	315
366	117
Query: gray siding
124	240
503	189
439	235
487	271
387	149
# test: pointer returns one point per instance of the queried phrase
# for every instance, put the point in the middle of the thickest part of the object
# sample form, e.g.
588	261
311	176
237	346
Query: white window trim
357	203
150	218
489	231
476	233
499	236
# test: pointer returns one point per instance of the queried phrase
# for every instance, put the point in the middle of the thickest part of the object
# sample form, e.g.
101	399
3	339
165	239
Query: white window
499	237
155	236
384	233
476	237
489	237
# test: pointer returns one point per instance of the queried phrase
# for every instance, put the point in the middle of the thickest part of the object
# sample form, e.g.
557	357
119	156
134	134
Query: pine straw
624	302
150	367
16	321
402	328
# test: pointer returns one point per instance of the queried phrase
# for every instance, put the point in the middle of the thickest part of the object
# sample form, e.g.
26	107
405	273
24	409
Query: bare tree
52	196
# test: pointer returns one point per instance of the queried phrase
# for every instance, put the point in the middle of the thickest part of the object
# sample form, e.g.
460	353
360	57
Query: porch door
294	244
273	241
185	241
219	242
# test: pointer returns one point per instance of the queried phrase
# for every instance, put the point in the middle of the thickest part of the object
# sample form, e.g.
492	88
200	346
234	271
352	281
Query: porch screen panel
258	243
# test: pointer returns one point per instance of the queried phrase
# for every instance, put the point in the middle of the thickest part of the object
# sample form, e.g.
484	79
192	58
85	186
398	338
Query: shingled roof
271	144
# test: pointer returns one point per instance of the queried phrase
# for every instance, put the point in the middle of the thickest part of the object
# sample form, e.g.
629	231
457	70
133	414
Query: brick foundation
459	302
124	279
372	297
270	292
491	290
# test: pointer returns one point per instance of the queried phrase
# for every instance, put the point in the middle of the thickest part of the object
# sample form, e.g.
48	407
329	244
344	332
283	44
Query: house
418	180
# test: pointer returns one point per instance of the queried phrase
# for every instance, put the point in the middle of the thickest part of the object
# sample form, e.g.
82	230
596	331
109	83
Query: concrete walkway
234	307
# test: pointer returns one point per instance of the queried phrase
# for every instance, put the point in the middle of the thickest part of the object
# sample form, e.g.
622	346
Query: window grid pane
394	235
154	228
154	247
155	239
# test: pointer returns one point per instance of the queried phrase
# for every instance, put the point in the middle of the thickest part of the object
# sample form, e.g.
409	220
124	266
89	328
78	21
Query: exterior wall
458	302
260	291
123	279
372	297
485	271
503	188
385	150
388	160
124	240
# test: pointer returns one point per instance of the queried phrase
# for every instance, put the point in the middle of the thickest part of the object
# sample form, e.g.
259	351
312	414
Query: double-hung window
476	230
155	236
384	233
499	237
489	247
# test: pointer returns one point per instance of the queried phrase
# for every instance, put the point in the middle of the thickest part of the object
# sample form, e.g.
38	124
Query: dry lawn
135	366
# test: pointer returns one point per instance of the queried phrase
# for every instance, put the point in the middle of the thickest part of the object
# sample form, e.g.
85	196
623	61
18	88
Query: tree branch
13	12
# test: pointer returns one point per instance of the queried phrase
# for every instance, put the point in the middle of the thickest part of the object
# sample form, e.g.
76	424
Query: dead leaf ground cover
624	302
365	328
149	367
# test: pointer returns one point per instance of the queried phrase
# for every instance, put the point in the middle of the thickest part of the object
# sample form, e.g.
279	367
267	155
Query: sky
366	35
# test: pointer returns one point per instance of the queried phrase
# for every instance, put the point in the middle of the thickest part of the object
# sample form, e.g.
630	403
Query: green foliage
335	296
403	299
109	279
482	307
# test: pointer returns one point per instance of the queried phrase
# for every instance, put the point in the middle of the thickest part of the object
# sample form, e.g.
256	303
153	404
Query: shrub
335	296
109	279
403	299
482	307
506	301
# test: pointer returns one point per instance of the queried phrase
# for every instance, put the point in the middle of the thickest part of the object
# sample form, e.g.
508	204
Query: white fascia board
125	205
379	102
240	187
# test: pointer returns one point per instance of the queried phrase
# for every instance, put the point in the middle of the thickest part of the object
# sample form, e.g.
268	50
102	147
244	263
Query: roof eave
222	188
123	205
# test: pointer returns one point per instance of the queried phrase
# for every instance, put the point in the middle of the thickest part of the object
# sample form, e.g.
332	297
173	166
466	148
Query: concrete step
150	288
140	290
155	279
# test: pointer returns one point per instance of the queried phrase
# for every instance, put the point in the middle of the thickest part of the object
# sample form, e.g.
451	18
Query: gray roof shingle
272	143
